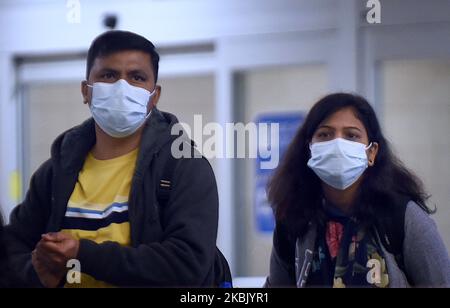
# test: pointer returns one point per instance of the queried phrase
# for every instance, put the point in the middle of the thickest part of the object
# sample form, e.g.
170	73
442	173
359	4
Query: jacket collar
71	148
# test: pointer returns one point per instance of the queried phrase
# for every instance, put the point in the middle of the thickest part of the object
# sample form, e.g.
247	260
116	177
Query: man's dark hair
115	41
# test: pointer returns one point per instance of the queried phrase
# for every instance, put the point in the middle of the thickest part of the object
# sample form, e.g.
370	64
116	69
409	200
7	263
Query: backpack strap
222	272
392	229
165	180
168	164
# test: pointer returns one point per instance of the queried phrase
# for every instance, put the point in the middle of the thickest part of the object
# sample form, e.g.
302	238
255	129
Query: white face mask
119	108
338	162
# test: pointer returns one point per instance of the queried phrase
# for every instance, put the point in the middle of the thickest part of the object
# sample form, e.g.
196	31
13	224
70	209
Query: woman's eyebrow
325	126
353	127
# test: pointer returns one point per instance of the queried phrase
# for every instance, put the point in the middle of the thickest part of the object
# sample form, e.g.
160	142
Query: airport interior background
236	61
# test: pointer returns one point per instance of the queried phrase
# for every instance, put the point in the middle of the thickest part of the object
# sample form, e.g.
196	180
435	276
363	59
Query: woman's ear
372	153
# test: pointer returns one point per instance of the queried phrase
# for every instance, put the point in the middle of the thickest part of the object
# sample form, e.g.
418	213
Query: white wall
41	25
265	91
416	95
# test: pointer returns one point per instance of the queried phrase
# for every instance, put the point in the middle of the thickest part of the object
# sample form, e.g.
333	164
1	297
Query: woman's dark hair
295	191
114	41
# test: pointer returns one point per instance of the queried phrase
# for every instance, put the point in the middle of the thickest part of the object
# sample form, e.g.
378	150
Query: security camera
110	21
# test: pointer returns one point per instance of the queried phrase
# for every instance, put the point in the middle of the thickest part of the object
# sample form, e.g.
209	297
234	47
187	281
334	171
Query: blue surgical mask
338	162
119	108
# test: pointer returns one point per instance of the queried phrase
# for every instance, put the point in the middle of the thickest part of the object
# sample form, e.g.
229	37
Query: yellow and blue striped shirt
98	207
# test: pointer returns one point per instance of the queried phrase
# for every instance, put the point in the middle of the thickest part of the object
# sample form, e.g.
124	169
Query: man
5	274
3	258
95	200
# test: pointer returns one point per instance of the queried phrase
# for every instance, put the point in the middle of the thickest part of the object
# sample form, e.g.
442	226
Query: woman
348	213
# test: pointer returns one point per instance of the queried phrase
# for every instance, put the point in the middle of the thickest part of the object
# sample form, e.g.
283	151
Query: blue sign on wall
288	126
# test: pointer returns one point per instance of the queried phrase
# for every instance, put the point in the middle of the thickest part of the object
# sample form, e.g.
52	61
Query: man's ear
155	98
85	92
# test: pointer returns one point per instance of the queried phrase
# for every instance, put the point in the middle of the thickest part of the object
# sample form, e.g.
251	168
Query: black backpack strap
222	272
168	164
391	229
165	180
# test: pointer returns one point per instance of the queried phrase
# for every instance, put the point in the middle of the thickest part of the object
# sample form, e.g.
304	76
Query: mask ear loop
89	86
151	96
368	147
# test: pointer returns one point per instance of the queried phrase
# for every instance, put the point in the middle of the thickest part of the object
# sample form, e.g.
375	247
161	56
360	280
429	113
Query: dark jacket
7	277
174	247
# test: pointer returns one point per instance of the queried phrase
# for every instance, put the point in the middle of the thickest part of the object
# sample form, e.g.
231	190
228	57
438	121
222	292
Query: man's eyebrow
138	71
108	70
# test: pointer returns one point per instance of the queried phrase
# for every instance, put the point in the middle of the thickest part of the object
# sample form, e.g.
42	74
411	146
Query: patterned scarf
346	255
